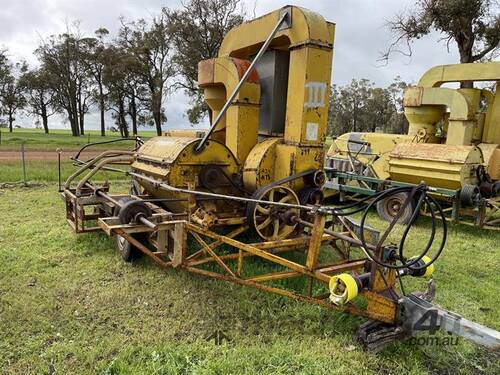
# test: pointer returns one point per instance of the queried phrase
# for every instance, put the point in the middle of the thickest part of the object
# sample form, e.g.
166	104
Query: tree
62	57
95	55
39	95
379	110
349	106
198	30
398	123
118	71
11	94
150	46
474	25
362	107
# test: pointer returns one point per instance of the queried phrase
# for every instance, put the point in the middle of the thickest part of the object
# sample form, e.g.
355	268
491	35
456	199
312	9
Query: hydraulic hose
419	191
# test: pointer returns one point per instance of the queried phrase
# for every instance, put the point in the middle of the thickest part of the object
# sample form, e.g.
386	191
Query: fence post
24	163
59	167
0	137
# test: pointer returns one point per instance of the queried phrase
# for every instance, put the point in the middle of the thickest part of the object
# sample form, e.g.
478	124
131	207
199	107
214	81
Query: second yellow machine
453	144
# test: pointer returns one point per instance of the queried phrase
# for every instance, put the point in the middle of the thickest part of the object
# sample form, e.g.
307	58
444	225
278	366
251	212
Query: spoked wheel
390	206
271	221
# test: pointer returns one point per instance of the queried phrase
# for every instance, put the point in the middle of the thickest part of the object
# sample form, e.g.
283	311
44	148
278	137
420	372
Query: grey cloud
360	34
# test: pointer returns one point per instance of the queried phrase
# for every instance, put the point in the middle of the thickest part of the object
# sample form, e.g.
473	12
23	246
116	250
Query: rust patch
242	66
206	69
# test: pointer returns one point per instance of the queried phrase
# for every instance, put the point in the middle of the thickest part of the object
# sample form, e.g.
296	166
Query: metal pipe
237	89
91	163
59	167
98	166
24	163
338	235
215	195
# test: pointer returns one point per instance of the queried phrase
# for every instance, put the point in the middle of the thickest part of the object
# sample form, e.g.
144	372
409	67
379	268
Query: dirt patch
44	155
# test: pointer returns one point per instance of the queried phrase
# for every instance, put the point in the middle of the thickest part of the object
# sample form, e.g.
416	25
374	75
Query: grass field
42	171
47	170
36	139
70	305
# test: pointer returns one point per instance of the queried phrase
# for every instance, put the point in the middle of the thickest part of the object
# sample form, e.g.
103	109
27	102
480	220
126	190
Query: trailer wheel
128	251
389	207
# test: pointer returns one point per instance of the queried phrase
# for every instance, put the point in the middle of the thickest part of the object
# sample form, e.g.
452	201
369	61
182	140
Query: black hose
423	199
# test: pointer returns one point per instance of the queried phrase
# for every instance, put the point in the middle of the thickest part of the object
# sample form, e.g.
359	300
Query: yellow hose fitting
429	270
343	288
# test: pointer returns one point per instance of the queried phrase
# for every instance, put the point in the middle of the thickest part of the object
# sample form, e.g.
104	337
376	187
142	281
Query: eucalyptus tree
62	57
149	44
40	96
12	98
95	53
197	31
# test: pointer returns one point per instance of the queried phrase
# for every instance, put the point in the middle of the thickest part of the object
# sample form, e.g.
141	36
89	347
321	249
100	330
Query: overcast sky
360	35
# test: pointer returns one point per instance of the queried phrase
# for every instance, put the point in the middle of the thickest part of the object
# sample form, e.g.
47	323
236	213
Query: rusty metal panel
443	166
206	69
413	96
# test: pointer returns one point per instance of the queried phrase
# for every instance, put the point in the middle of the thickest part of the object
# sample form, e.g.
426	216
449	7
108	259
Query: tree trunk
82	119
133	115
156	106
466	58
45	119
72	115
102	109
121	119
11	121
81	116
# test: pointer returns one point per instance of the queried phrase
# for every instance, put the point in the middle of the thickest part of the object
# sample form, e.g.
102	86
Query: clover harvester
251	187
453	144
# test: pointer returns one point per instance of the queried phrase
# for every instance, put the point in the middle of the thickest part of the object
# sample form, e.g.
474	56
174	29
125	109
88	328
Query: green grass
36	139
68	304
43	171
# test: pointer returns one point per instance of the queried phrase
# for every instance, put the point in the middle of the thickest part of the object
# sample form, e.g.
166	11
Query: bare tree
474	25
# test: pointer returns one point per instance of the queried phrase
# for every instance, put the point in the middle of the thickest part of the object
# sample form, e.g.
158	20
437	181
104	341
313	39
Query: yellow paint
445	166
309	41
343	288
218	78
172	160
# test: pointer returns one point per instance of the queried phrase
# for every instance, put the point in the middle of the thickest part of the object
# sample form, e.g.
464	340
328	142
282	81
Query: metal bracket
287	22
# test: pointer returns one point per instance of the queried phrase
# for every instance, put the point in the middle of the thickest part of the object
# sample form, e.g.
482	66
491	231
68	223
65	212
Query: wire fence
21	165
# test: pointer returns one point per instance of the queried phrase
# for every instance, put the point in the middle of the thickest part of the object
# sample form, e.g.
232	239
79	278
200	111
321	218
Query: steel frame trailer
319	252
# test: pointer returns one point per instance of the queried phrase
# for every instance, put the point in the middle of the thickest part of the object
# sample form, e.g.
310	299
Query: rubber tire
385	215
127	251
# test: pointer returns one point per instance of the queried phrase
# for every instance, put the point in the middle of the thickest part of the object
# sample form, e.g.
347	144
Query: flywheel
270	221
